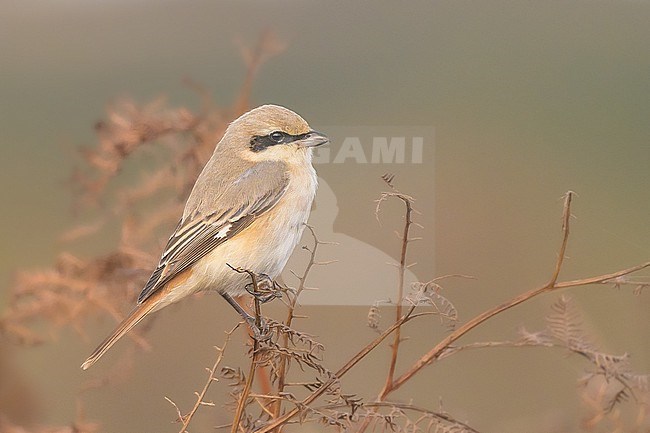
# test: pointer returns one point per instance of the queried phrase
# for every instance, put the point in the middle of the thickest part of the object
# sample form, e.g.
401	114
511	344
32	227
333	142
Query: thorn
388	178
326	262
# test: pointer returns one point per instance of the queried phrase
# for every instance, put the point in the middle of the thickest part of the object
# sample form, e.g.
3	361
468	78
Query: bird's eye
277	136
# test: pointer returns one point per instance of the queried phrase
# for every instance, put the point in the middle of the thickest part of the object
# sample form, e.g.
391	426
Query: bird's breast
265	246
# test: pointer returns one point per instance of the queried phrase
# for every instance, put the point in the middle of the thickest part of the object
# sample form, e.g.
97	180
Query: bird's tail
125	326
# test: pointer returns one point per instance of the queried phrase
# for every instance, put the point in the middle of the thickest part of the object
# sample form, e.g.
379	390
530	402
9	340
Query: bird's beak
313	139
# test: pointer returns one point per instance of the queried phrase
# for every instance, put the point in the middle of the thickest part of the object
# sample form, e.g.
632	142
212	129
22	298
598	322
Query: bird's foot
266	289
260	332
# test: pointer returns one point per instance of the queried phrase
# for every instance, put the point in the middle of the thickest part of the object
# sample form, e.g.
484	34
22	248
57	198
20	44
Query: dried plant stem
284	361
246	391
566	219
340	372
268	45
442	416
211	378
552	285
493	344
241	405
408	202
436	352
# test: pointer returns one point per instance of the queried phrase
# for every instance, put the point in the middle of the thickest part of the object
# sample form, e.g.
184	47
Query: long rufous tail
125	326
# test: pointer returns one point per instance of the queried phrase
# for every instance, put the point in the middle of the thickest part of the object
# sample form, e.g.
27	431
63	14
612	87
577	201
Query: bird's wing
248	196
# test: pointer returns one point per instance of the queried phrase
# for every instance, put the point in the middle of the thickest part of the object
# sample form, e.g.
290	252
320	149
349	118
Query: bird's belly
264	248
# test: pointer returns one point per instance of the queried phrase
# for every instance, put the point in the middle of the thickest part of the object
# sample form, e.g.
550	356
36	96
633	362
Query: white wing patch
223	232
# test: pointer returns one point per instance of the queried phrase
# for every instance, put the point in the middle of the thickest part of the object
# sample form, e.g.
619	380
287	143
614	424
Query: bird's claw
266	289
260	332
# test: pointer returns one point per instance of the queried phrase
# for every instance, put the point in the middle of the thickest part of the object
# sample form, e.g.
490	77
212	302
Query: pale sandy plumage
247	209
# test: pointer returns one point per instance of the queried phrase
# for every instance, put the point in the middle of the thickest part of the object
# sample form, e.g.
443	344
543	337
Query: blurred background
517	103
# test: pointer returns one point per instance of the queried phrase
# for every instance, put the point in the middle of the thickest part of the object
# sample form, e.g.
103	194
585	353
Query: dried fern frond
174	144
374	316
429	294
397	417
613	374
565	324
303	349
539	338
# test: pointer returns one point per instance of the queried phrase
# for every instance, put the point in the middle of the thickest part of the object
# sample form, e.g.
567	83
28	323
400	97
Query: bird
247	211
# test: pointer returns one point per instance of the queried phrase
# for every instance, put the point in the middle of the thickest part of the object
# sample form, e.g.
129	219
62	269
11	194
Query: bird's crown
268	118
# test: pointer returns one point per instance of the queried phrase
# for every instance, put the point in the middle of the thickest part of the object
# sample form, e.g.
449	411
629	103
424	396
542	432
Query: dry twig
284	360
243	398
200	397
408	203
433	354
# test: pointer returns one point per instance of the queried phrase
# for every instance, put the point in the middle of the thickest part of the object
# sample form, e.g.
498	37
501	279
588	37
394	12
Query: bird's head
272	133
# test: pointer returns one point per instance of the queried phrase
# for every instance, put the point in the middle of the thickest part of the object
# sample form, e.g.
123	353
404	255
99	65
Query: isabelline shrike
247	210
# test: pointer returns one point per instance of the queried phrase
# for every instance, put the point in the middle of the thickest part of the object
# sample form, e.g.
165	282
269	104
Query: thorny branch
408	203
200	397
441	416
340	372
243	398
438	350
284	360
433	354
68	300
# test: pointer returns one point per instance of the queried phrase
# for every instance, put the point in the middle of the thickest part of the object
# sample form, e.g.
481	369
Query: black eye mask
259	142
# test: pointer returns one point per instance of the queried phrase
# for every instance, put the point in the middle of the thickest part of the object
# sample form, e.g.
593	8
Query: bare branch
200	397
241	405
397	338
284	360
338	374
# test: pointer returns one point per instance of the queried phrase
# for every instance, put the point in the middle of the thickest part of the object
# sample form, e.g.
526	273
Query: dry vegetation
76	290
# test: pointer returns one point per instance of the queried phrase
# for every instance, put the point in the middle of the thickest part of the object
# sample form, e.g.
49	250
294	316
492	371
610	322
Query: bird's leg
259	333
266	289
